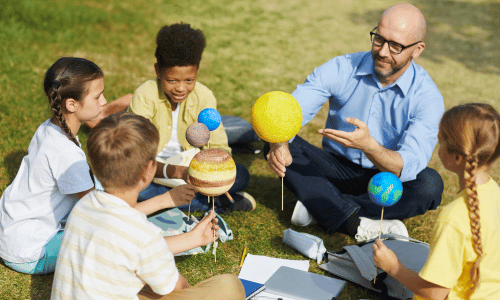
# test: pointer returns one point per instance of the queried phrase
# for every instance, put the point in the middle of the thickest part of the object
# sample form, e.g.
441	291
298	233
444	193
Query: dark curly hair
179	45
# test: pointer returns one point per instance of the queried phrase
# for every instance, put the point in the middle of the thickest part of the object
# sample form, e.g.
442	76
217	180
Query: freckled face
177	82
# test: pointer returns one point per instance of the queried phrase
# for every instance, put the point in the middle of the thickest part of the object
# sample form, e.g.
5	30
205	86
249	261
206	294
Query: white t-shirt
42	194
173	147
110	251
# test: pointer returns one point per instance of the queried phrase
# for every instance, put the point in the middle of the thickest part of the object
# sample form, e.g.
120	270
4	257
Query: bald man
384	112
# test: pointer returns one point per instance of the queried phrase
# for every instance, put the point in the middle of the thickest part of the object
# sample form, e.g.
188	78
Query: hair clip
56	84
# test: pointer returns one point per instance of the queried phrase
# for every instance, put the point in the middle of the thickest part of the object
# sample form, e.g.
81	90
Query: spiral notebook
302	285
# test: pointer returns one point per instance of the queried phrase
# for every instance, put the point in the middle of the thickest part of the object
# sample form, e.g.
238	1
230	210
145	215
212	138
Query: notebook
302	285
252	288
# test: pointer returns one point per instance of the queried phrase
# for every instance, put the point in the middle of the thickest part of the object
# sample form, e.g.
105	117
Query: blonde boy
109	249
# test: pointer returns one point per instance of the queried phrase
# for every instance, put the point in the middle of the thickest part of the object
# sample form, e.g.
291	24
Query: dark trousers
332	188
200	201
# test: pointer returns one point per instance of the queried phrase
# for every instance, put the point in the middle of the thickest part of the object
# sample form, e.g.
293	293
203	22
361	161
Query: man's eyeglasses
394	47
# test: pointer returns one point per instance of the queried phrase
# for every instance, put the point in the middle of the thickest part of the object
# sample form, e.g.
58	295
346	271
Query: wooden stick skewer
379	234
282	181
381	218
213	207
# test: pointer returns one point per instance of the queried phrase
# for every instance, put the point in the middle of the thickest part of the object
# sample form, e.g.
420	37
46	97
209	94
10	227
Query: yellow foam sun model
276	117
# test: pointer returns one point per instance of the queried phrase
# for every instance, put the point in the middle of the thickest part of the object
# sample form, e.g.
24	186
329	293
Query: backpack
355	263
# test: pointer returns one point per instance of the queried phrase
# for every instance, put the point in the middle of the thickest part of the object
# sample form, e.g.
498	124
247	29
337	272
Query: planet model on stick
210	117
212	172
276	117
385	189
197	135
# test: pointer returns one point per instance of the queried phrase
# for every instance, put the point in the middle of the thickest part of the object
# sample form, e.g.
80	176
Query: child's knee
229	287
182	283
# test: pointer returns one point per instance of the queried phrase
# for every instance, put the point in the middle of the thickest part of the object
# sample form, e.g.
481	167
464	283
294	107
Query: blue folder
252	288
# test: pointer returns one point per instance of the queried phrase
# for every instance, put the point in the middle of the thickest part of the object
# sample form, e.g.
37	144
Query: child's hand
385	258
182	194
204	231
185	174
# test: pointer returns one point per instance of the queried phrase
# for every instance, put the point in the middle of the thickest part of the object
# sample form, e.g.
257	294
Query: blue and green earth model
385	189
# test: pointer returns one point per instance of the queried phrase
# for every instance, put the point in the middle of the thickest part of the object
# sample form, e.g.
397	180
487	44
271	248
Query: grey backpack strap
392	236
365	265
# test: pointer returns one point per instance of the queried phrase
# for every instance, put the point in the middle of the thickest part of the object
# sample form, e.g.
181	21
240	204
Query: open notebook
302	285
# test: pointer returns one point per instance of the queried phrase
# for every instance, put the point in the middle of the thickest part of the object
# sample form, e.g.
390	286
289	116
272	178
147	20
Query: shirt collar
109	199
403	82
161	94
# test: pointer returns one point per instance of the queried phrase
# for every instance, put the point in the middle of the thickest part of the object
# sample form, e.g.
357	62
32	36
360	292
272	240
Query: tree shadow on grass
12	162
462	31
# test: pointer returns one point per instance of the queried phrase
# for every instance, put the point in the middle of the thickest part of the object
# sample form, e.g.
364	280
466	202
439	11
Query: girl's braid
472	202
55	105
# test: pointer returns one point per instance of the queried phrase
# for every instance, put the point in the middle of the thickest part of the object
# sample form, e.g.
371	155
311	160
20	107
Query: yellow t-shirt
151	102
451	253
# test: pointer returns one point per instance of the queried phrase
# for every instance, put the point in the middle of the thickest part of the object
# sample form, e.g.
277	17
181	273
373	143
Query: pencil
243	256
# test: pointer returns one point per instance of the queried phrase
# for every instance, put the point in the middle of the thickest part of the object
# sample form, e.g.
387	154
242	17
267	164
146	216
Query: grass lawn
253	47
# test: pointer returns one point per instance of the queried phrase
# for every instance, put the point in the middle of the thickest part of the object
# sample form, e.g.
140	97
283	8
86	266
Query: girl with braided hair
464	256
55	173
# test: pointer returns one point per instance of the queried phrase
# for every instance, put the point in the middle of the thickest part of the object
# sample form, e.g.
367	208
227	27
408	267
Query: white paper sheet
260	268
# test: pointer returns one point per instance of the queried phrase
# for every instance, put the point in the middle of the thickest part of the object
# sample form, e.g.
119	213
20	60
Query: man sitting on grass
384	116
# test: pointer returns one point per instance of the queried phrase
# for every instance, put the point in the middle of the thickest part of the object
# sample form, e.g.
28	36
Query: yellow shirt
451	254
151	102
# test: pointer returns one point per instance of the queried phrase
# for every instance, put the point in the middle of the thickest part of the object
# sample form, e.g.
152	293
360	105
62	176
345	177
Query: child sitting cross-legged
109	249
54	174
464	256
173	101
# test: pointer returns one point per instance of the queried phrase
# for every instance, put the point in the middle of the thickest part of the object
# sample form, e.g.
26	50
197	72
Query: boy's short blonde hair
120	147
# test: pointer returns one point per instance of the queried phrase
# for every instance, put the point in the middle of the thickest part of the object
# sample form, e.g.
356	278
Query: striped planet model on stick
212	172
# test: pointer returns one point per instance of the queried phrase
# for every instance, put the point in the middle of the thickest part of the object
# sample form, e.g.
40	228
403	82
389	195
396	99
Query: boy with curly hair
173	101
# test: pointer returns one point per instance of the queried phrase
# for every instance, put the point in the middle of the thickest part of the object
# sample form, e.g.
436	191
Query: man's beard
389	72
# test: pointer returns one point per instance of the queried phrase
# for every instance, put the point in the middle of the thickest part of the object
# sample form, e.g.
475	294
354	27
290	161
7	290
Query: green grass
252	47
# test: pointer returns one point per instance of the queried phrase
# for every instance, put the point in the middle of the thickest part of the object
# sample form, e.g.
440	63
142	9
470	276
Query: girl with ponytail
464	258
54	174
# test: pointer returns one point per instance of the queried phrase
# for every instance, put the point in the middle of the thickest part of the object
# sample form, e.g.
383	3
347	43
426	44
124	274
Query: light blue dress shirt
403	117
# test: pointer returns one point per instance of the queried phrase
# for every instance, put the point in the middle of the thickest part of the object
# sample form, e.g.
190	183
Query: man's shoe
369	229
243	201
301	216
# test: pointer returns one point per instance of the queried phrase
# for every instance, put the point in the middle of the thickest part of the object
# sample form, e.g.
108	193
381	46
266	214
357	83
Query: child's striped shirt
110	251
